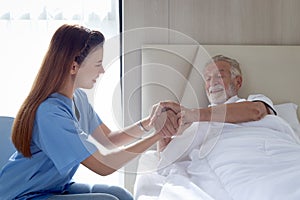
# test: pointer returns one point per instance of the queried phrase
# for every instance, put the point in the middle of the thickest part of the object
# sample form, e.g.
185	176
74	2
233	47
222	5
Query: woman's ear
74	68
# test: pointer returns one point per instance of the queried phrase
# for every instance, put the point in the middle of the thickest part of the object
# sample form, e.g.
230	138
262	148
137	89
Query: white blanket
247	161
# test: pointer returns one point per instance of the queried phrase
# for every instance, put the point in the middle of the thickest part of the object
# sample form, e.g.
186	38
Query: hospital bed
253	160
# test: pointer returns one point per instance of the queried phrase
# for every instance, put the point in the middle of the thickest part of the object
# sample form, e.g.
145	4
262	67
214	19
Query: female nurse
56	128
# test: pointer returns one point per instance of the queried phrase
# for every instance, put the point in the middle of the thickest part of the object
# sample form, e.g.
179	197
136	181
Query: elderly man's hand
166	123
165	119
187	116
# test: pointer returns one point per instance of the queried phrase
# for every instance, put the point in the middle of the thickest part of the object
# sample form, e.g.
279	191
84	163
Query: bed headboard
172	72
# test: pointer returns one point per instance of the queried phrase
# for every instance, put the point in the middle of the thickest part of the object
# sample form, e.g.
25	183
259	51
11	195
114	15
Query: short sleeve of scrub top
61	136
89	120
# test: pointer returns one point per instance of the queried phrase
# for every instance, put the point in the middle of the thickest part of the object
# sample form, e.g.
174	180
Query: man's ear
74	68
239	81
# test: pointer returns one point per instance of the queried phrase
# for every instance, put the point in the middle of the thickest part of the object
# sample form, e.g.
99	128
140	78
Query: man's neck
232	99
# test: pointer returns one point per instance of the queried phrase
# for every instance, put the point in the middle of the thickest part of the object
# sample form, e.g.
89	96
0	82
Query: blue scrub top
59	143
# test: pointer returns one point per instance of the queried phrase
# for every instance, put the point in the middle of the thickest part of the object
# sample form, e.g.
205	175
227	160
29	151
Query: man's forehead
217	67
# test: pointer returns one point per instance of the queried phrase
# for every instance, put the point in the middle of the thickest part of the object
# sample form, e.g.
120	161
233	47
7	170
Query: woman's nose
101	71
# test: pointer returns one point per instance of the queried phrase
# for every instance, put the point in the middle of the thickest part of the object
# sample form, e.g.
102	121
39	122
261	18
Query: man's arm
231	113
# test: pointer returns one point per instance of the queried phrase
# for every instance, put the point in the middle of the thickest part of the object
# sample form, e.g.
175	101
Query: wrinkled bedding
222	161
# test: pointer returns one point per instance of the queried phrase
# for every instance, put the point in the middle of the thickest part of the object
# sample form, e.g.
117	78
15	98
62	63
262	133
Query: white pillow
288	112
296	128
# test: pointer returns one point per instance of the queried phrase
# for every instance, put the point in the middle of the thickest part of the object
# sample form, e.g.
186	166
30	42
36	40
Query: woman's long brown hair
69	43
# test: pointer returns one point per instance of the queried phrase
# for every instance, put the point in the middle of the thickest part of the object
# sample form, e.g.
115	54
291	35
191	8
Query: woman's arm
107	164
165	123
111	139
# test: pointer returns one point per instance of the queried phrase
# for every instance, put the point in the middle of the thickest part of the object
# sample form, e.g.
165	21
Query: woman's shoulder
55	103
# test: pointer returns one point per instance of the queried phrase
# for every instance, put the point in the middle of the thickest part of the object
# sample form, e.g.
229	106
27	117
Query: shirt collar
63	98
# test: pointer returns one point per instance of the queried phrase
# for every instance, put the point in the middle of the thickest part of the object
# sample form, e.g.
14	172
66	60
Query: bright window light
26	29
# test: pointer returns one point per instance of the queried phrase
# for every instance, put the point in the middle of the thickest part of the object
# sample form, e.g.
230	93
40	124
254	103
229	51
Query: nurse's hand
165	119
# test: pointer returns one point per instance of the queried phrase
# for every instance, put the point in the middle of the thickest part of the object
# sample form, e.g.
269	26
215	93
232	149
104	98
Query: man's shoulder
262	98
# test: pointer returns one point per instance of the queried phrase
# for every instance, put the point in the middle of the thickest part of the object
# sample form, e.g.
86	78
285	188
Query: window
26	29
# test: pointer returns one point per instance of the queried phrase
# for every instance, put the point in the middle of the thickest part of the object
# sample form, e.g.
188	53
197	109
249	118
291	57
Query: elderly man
223	79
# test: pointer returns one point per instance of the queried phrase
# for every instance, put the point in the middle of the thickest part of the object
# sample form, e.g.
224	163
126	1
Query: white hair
235	69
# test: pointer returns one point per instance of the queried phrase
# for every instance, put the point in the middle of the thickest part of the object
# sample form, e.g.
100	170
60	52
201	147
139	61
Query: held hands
169	119
164	118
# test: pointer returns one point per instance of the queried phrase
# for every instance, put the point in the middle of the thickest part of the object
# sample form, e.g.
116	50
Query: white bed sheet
253	160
